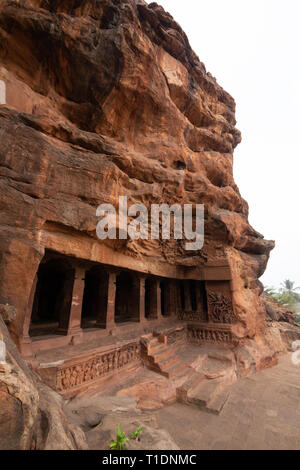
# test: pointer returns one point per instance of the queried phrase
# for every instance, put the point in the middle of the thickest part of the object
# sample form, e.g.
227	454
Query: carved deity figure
220	308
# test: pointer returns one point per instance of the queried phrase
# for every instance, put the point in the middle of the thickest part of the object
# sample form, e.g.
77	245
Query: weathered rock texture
107	98
99	416
31	414
277	312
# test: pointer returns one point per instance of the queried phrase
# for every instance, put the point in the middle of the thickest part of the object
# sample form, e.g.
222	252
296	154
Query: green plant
121	440
135	435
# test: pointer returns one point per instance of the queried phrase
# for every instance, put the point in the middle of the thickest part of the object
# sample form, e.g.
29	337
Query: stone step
147	336
147	340
154	367
174	369
194	380
152	342
155	348
204	393
162	358
166	362
216	405
183	370
155	341
153	359
164	353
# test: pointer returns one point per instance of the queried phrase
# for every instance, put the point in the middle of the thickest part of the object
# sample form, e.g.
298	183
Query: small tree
286	295
288	288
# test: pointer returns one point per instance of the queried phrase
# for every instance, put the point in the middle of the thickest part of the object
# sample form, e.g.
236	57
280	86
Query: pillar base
69	332
111	329
25	346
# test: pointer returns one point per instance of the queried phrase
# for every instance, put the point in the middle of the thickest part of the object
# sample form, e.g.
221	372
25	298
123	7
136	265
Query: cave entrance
95	297
127	298
193	295
53	297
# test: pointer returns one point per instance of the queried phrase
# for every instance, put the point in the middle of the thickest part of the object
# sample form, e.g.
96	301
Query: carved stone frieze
96	367
211	334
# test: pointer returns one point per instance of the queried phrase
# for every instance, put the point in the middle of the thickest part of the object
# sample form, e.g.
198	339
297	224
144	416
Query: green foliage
121	440
298	319
270	291
289	289
288	286
136	434
286	295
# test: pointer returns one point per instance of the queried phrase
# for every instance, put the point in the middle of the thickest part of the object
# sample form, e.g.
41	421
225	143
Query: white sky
252	48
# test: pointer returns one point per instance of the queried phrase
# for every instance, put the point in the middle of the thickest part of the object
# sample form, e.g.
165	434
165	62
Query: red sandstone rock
110	100
31	415
277	312
105	99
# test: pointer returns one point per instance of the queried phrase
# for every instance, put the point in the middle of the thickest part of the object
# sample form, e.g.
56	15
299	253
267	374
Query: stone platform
103	361
97	362
261	413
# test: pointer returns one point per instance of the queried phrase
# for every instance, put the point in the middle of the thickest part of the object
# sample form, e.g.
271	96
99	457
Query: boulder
31	414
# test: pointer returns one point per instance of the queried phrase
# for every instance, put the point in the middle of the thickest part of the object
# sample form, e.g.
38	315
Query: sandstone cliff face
107	98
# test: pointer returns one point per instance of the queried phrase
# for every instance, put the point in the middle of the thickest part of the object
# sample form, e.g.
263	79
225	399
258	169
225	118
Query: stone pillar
142	314
25	340
106	301
70	317
31	307
111	300
34	300
158	299
187	296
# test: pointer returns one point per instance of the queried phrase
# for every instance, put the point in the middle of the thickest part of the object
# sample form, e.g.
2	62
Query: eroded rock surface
31	415
113	410
278	313
105	99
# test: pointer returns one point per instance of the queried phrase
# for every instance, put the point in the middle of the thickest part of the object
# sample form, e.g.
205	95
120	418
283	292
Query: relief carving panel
220	308
202	333
96	367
